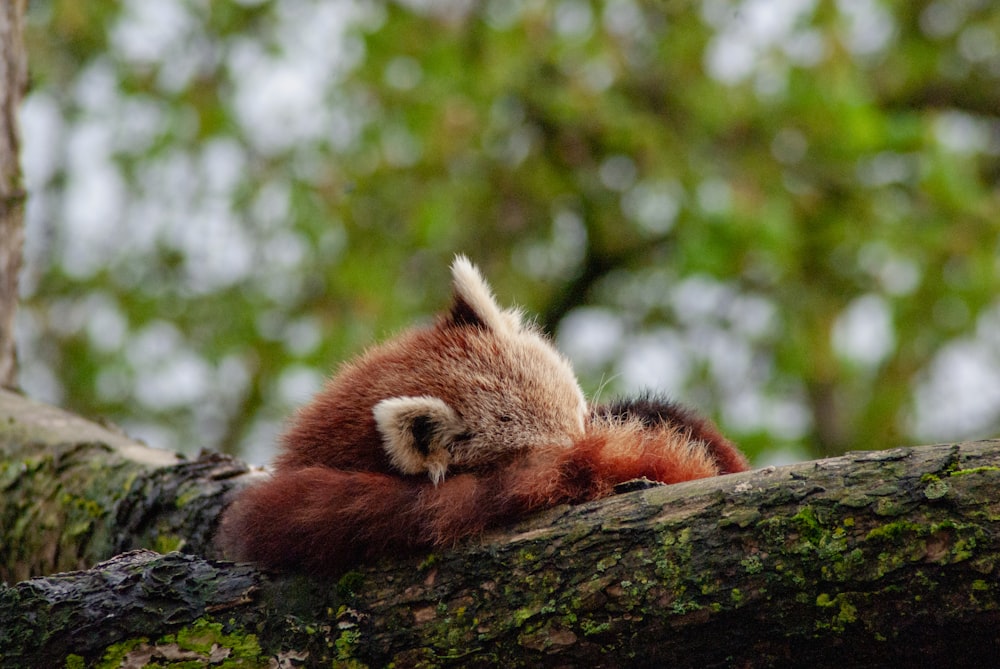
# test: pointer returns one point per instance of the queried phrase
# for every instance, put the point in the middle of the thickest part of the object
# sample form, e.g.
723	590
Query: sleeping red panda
445	431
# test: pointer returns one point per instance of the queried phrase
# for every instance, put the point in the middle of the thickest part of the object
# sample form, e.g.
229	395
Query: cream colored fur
469	284
505	390
395	418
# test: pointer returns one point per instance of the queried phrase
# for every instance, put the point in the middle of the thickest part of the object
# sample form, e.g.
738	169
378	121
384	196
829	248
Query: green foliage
790	223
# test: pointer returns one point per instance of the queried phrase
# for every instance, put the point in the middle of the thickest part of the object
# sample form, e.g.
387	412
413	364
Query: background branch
13	81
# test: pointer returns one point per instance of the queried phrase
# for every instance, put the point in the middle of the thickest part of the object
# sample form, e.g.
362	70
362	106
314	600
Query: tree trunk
857	560
13	79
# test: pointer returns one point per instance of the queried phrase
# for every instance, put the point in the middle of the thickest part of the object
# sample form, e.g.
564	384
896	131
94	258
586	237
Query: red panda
448	430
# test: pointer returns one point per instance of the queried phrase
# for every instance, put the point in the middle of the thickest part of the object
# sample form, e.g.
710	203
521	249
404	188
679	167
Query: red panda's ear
473	302
416	432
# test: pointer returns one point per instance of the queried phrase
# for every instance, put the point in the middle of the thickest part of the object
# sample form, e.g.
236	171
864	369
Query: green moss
201	637
683	540
846	567
936	488
740	518
848	613
679	607
974	470
984	564
198	637
908	541
845	612
347	664
668	557
203	634
527	556
345	644
522	615
980	584
855	501
808	524
608	562
349	584
114	655
772	530
166	543
963	549
886	506
752	564
895	530
75	662
590	628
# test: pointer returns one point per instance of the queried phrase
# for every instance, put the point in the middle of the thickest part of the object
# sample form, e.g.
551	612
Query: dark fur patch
654	410
422	430
462	313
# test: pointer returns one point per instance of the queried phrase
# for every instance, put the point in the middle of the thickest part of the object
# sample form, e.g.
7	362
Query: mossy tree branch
853	560
73	493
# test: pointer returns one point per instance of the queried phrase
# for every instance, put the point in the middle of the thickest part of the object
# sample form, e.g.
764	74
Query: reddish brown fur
337	428
511	438
451	360
323	520
650	411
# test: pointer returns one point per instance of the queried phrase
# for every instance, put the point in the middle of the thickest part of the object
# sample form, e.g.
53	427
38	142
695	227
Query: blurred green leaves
785	213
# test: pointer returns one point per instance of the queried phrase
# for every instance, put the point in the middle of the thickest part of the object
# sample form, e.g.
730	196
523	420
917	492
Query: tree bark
73	493
857	560
13	79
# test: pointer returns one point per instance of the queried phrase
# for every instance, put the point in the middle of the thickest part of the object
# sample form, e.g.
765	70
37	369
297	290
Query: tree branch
851	560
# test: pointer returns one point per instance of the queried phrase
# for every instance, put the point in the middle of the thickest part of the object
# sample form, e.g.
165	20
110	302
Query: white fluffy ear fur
474	304
416	432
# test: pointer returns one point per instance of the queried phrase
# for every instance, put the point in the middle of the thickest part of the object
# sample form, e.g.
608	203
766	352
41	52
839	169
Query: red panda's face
494	387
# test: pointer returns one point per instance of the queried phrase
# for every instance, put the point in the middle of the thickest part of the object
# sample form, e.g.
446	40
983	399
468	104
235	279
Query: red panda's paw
320	520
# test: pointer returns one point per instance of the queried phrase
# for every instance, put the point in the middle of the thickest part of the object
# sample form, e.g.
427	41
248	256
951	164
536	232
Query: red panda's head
482	385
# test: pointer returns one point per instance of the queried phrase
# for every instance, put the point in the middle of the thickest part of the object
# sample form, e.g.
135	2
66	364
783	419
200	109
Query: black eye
505	419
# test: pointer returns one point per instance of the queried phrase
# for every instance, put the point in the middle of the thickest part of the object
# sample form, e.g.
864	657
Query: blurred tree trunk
857	560
13	79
